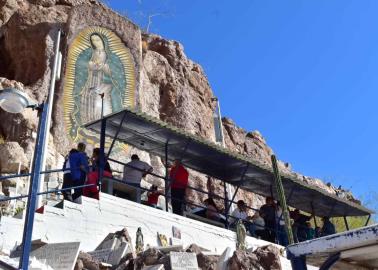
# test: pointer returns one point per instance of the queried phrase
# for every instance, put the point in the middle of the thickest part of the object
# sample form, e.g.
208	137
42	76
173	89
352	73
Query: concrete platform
91	221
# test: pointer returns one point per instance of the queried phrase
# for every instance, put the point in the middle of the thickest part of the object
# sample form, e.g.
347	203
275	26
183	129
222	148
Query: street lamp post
15	101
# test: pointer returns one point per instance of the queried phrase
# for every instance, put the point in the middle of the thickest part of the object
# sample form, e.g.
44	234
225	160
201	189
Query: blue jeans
282	236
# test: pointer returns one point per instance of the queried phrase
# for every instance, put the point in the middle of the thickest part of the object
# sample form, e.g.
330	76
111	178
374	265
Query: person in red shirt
92	177
179	177
153	196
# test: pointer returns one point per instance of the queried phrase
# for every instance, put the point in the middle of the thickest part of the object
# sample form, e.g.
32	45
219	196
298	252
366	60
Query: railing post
102	153
282	199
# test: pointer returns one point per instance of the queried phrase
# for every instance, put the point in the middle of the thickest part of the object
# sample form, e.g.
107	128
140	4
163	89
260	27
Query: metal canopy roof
357	247
150	134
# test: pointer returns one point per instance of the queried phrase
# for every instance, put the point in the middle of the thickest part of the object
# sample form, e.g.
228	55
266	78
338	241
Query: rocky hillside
171	86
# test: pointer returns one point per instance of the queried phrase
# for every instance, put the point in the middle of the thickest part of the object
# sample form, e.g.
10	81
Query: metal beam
117	132
233	198
330	244
346	223
313	213
330	261
368	219
102	153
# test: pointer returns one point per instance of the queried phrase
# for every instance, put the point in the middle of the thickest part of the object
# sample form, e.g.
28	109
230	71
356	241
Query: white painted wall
91	221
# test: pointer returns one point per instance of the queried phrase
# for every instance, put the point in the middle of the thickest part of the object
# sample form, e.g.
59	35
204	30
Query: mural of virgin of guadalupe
99	81
98	63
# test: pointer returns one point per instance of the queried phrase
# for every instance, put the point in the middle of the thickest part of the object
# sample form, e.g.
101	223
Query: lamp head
13	100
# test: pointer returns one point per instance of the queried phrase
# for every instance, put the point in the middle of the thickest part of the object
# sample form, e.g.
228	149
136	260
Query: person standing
281	233
299	227
133	172
93	175
310	231
179	178
67	178
328	228
268	213
79	169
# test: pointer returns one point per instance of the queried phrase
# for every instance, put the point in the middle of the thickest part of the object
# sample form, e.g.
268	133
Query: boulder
242	260
269	257
11	156
207	262
85	261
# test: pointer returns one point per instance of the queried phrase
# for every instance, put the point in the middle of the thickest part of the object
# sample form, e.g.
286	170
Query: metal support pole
102	104
226	208
48	107
33	189
102	153
346	223
233	198
166	177
368	219
281	194
313	213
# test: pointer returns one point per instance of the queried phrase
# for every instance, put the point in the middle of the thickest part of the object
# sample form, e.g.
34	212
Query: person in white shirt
257	226
133	173
239	213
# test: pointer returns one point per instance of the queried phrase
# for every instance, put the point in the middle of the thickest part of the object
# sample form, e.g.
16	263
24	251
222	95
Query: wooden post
281	194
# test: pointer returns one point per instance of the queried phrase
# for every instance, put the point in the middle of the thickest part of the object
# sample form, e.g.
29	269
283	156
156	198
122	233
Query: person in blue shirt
79	169
67	179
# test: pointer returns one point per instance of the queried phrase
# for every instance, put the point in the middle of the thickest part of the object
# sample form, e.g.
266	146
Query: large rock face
169	85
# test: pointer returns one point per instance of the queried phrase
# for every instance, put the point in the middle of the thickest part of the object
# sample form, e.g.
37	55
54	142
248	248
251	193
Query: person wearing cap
133	173
179	178
299	226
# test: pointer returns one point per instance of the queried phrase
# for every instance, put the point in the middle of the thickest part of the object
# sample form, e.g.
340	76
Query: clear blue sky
303	73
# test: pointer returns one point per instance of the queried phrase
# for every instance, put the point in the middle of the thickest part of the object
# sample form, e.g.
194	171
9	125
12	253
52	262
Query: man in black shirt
268	213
